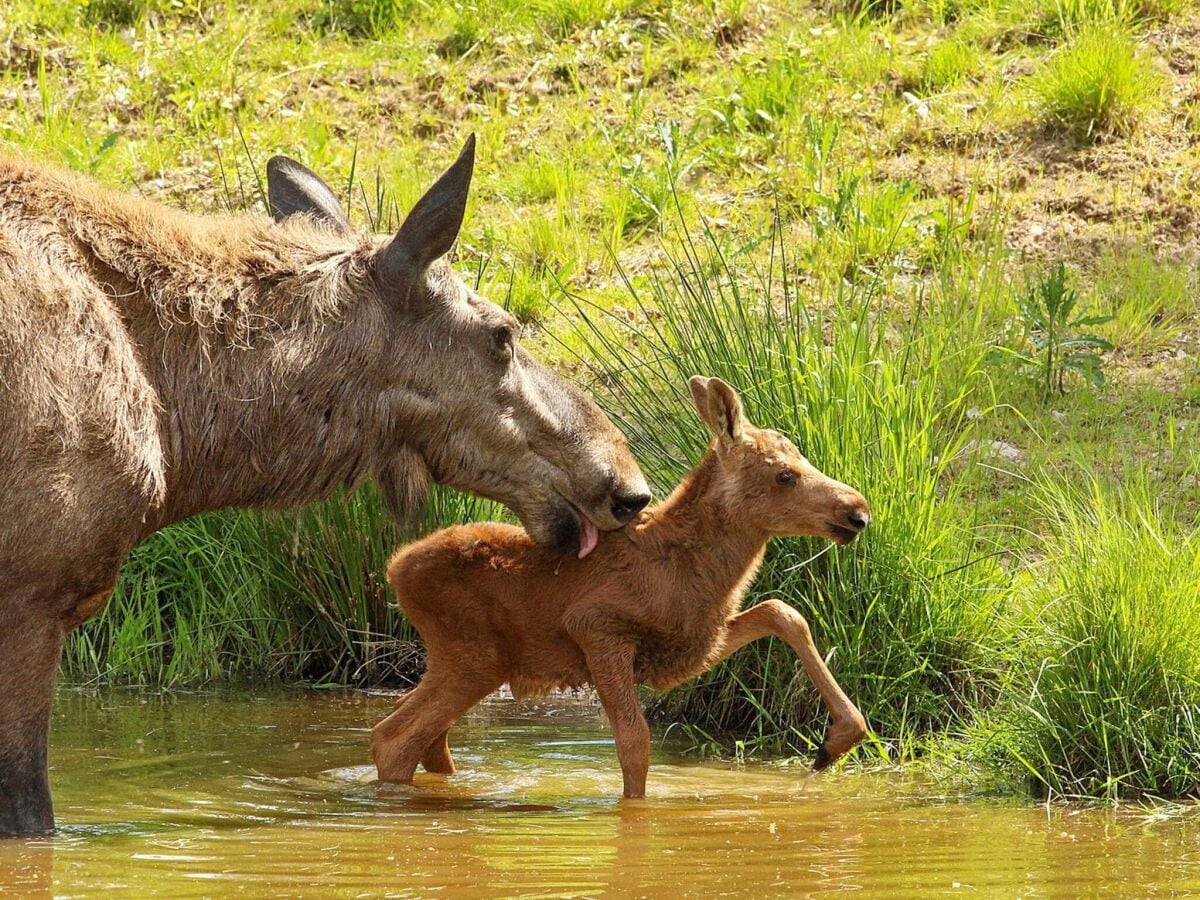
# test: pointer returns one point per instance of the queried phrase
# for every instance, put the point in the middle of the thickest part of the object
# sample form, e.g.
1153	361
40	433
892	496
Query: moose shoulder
154	365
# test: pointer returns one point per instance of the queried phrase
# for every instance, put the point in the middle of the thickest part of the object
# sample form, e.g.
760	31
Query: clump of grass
1067	16
947	64
1147	301
860	228
908	614
362	18
1107	702
466	32
766	101
119	14
560	18
526	295
732	20
1096	84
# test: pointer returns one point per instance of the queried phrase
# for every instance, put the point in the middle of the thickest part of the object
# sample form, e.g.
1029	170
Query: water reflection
207	793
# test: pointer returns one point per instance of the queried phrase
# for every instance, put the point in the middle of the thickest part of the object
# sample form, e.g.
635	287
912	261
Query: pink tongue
587	540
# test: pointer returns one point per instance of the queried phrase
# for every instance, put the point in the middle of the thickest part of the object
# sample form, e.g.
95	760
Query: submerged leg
775	618
437	759
611	671
30	648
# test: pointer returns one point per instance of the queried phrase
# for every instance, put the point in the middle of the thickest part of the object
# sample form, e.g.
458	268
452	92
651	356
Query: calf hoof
841	737
823	759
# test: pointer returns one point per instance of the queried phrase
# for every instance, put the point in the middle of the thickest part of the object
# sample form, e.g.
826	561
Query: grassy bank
949	246
1105	694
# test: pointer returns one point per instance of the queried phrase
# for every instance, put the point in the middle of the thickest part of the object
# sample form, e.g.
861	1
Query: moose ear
720	408
293	189
431	227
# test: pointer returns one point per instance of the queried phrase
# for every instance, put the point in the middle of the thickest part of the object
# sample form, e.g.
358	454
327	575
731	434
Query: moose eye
786	477
502	340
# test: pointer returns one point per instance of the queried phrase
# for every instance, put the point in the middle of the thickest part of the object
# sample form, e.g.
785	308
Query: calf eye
786	477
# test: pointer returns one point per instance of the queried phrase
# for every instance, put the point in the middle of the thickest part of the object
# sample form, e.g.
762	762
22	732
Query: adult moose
155	365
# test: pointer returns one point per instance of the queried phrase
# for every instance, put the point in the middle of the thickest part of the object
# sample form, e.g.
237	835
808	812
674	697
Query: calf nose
624	508
857	519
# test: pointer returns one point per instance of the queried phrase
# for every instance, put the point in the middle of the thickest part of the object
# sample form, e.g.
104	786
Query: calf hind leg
417	731
437	759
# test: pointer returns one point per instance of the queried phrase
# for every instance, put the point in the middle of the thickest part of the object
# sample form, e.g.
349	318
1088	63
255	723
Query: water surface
210	794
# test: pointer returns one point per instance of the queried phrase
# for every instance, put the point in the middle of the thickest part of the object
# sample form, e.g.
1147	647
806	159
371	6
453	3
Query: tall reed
249	595
875	398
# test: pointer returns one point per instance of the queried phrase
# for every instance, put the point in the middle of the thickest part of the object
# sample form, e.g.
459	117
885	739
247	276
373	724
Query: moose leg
405	737
30	646
612	676
776	618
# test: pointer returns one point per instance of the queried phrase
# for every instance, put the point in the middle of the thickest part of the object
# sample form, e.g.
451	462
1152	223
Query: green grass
1106	696
247	595
1069	15
1149	300
1099	83
948	63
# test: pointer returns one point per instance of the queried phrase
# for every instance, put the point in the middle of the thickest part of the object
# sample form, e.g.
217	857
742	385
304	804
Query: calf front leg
611	669
776	619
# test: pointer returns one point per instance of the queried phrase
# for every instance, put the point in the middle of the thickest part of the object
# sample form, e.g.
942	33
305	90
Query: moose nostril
625	508
858	519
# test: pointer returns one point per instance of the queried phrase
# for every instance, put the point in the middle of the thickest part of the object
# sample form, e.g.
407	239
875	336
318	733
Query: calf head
463	402
766	481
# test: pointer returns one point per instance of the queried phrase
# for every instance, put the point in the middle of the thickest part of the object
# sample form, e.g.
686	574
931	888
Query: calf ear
720	408
430	229
293	189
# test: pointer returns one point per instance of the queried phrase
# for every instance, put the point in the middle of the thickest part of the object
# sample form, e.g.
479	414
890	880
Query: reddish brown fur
654	604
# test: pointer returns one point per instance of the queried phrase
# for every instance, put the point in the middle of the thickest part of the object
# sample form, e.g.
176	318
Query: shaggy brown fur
155	364
655	604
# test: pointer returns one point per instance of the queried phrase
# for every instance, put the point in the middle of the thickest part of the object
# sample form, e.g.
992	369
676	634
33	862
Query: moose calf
656	603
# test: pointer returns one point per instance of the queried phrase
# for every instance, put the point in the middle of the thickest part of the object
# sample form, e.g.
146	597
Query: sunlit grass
1106	699
1098	83
1149	301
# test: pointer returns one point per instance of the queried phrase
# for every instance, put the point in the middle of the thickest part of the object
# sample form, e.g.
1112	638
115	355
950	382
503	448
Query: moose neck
253	336
287	416
707	539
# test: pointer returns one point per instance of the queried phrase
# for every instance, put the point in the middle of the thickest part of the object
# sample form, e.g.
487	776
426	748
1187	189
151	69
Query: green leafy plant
1053	320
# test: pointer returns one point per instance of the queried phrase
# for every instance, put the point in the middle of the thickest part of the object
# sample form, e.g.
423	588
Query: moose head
462	402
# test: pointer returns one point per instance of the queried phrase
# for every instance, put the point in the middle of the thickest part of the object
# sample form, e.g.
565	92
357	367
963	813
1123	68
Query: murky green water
215	794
